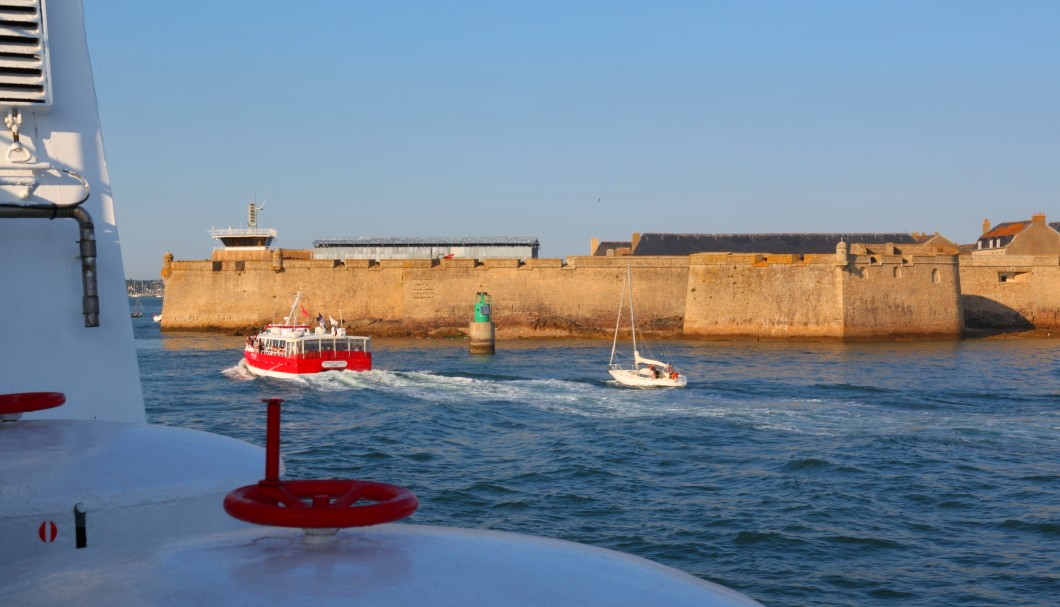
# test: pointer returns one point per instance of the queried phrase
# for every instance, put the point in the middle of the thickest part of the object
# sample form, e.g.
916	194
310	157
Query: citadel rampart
884	294
866	294
535	297
1014	292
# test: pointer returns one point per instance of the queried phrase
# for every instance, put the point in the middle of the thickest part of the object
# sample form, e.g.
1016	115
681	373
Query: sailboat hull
629	377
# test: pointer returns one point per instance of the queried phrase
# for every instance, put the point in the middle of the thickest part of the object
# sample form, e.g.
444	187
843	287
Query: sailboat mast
618	323
632	320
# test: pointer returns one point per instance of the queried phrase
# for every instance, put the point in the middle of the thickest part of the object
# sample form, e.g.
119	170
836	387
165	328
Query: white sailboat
645	372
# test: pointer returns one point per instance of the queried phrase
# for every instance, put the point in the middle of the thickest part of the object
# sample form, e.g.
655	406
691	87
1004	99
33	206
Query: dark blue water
799	474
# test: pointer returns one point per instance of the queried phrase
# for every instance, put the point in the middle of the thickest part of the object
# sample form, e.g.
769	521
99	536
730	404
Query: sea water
797	473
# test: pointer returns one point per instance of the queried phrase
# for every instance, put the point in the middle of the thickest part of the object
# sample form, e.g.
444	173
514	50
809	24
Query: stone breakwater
865	293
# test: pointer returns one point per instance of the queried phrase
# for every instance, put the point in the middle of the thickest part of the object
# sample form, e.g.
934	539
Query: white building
391	247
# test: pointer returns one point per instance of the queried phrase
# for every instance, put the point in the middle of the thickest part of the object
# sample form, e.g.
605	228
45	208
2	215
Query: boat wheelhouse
250	238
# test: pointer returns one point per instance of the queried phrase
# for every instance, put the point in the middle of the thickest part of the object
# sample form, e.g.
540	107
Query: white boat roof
395	564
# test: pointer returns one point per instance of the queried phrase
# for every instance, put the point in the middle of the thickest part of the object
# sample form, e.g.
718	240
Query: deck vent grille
24	70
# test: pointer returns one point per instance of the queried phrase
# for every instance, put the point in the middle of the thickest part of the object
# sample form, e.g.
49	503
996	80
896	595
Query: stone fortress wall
539	297
1011	292
858	294
887	294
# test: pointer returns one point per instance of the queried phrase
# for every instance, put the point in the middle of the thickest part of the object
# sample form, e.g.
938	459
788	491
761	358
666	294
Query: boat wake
238	371
588	398
567	396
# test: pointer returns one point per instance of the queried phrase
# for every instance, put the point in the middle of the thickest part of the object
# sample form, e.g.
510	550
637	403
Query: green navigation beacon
482	308
480	331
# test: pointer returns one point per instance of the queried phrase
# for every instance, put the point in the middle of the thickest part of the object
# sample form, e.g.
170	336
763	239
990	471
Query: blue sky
569	120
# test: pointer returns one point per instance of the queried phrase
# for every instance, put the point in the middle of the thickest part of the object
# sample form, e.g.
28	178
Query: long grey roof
688	244
425	241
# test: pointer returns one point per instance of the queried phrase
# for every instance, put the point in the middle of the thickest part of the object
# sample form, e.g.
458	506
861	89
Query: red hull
272	364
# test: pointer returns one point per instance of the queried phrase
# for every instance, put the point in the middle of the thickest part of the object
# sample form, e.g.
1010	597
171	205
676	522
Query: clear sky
568	120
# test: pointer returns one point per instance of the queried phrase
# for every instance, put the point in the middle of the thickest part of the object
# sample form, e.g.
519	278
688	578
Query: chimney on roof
594	244
986	226
636	241
1038	219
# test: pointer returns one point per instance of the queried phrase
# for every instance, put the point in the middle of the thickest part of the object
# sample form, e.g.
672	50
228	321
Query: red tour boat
292	349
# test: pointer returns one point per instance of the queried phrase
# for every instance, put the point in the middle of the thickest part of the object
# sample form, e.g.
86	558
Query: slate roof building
796	243
1034	237
608	248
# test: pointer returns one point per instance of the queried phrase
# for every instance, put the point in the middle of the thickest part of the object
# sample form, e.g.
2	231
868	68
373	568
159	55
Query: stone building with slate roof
610	248
1010	280
795	243
1034	237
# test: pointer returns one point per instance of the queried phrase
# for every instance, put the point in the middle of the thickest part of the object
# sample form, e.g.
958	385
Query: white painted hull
629	377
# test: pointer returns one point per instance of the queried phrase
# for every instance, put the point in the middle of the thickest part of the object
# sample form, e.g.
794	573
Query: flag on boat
334	323
320	319
304	313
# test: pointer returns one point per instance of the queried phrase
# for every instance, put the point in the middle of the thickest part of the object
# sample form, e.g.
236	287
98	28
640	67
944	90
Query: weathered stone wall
763	296
901	296
1011	292
852	297
539	297
870	295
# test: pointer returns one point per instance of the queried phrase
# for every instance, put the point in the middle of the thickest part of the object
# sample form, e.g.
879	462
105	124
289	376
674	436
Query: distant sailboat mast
618	321
632	320
618	324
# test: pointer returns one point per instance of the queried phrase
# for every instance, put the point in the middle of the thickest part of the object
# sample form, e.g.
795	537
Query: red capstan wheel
30	401
314	504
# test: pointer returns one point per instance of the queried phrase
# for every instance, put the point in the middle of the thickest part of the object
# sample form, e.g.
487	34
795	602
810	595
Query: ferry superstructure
100	507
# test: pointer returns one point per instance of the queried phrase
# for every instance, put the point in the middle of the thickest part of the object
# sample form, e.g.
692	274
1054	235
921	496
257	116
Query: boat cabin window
312	346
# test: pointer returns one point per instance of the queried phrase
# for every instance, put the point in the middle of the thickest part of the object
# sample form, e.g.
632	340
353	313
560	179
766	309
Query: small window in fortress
896	272
1009	276
935	275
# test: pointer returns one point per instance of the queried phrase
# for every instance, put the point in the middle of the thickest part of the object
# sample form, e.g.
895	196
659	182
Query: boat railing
328	347
345	347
